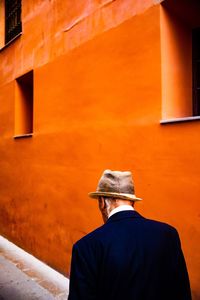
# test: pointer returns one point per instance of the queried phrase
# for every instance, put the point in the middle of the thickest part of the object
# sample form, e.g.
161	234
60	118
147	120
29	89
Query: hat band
124	196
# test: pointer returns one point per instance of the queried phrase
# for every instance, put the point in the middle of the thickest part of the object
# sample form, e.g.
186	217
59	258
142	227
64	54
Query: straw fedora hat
116	184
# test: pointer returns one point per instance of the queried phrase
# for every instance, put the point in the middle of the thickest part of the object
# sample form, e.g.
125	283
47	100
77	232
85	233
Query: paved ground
23	277
16	285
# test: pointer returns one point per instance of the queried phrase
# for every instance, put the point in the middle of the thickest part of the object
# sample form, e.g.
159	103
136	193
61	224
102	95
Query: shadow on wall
195	295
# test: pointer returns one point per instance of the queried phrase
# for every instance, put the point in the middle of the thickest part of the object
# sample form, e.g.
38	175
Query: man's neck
120	208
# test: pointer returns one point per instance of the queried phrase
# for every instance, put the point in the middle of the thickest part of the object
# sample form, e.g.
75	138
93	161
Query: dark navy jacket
129	258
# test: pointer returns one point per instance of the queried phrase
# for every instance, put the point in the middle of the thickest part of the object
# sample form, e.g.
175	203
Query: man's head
106	205
115	188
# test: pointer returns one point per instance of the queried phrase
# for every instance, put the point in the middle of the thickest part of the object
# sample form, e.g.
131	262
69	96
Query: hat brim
130	197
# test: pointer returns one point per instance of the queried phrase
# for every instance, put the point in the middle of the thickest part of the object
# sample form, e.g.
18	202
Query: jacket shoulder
91	237
162	227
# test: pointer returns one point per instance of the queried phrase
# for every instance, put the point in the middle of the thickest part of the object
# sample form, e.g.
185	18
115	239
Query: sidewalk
23	277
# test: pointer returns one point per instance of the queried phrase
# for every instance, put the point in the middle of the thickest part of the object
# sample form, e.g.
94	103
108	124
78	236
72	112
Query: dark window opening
13	25
196	70
24	105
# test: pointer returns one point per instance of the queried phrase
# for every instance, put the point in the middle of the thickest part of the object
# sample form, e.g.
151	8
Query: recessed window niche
24	105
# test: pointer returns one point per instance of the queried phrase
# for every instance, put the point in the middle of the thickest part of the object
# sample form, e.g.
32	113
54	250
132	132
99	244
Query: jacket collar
123	215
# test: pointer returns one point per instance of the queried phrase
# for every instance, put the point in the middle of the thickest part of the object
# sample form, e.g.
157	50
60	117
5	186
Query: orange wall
96	106
66	27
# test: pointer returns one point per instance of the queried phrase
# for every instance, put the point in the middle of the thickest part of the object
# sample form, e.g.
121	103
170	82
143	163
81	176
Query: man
129	257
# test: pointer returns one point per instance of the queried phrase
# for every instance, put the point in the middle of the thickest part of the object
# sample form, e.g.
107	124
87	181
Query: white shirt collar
120	208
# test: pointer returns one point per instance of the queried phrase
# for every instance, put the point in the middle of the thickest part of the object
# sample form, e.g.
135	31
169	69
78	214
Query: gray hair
108	201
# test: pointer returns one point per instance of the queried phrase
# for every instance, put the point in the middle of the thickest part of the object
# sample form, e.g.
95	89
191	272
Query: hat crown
116	182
